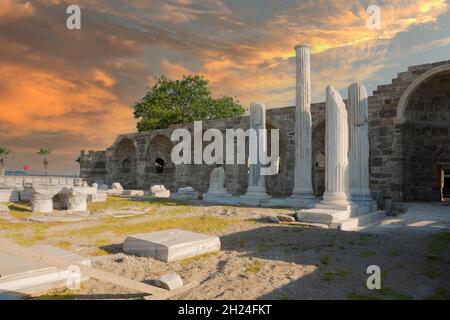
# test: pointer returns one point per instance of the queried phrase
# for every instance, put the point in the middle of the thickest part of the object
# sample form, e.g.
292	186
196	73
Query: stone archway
124	160
414	86
424	111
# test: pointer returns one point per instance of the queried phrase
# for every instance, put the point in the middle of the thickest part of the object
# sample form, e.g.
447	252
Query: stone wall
389	138
20	181
93	166
427	139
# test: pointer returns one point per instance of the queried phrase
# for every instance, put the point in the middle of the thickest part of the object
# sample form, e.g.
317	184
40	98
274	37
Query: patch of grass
28	237
9	226
61	294
434	262
432	274
395	252
19	207
255	267
99	252
188	261
324	260
331	275
365	237
436	259
205	224
284	297
439	243
367	254
262	247
242	243
121	203
63	244
440	294
382	294
102	242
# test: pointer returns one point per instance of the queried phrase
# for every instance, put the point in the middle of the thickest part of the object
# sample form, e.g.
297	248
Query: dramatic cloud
73	90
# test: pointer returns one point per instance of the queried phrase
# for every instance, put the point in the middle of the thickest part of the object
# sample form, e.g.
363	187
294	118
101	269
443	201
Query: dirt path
258	260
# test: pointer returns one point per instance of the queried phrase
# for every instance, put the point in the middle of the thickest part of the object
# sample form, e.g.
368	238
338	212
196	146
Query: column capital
300	45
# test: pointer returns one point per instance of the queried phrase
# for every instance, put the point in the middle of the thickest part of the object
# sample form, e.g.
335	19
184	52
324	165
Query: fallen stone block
116	188
159	191
133	193
100	196
9	195
285	218
269	219
187	193
169	281
21	276
170	245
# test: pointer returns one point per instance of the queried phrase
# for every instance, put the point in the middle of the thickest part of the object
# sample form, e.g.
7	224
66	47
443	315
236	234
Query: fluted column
303	157
359	143
336	150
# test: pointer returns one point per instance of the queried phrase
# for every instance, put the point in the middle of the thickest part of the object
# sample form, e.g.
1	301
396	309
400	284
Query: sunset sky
72	89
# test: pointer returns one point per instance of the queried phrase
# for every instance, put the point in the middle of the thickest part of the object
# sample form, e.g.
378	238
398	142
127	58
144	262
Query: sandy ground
267	261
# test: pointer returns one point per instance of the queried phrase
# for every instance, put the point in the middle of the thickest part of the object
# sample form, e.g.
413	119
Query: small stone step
317	215
360	221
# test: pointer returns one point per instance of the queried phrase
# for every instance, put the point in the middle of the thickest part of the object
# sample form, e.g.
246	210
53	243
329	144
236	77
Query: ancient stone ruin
397	149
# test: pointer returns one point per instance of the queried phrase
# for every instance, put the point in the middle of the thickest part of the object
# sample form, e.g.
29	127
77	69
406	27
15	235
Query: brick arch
411	89
124	161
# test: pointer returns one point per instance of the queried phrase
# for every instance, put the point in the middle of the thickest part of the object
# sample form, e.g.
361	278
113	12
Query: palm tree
45	152
4	152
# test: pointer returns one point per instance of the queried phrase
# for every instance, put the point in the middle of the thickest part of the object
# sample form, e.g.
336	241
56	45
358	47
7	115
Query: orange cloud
12	9
73	89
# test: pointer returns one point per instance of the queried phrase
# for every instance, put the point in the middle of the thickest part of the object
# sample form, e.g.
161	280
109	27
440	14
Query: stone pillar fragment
256	191
359	146
303	156
42	198
217	193
336	151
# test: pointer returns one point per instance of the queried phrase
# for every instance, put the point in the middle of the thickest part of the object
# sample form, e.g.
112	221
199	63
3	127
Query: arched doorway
160	168
444	173
124	160
424	110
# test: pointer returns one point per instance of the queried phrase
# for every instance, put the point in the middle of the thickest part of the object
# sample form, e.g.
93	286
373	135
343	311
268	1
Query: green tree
171	102
45	152
4	152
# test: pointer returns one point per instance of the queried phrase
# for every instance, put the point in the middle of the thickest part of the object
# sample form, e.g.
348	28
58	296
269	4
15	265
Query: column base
254	198
42	205
366	205
220	197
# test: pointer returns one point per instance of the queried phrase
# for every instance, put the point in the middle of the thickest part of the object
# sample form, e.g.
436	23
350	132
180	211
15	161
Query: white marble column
256	191
336	151
303	157
359	145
